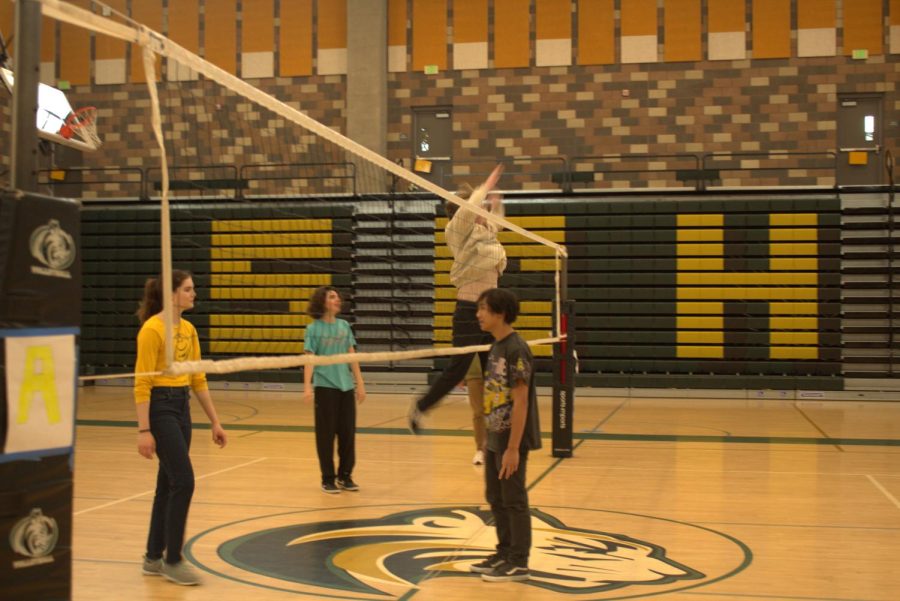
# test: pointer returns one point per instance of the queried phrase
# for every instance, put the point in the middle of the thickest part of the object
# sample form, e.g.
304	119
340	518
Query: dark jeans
335	416
466	332
509	504
170	424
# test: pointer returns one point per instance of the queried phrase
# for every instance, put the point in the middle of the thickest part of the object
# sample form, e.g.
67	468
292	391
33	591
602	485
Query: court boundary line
815	425
559	460
147	492
797	440
777	597
884	491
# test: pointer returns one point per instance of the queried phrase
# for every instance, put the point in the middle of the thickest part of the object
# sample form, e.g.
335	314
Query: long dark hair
316	306
152	303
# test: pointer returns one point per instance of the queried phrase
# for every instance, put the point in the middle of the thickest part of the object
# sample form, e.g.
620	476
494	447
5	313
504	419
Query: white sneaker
478	459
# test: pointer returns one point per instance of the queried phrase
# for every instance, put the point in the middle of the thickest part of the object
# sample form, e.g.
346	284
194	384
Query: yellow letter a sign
38	380
40	391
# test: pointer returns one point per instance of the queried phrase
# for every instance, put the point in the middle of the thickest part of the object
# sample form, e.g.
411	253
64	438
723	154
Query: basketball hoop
83	123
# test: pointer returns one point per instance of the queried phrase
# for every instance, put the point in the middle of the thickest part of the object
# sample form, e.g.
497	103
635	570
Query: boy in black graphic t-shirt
510	407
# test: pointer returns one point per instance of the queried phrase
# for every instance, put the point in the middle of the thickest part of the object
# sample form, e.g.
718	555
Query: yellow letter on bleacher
39	378
790	286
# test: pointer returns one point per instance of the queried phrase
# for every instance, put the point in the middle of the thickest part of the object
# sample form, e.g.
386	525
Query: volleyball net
263	203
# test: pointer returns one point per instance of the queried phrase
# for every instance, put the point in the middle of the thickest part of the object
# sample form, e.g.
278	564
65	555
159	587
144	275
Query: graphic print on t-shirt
501	378
183	345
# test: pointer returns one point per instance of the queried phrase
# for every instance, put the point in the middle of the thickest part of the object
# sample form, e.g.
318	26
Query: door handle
876	149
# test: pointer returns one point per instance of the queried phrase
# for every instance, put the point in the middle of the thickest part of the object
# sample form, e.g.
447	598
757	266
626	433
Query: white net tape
257	363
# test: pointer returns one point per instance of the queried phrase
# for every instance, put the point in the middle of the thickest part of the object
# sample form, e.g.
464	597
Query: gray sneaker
180	573
151	567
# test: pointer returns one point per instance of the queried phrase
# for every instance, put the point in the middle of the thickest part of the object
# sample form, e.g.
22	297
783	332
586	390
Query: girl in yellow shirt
164	423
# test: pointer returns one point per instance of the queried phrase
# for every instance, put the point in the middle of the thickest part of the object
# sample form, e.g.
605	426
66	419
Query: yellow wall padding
429	34
771	28
220	41
295	48
596	32
512	46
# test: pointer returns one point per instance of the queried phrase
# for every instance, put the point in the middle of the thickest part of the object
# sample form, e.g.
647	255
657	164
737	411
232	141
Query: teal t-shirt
323	338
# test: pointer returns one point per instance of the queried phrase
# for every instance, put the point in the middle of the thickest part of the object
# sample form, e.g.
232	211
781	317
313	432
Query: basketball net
82	123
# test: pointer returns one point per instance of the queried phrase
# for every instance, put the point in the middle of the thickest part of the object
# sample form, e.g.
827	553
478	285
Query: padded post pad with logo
36	529
40	266
40	291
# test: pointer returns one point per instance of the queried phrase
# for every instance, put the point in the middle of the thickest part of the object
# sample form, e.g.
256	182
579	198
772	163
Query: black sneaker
486	566
347	484
506	572
330	488
415	417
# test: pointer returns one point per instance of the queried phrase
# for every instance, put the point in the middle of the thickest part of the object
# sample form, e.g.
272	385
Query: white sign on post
40	392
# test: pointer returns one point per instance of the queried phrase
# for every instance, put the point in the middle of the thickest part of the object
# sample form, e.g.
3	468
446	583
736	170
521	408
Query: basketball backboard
53	108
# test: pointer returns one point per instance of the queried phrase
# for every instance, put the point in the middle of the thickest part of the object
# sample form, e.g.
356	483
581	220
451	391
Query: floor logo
379	555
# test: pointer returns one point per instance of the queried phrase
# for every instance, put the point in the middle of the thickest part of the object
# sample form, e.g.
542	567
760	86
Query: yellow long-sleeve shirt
151	357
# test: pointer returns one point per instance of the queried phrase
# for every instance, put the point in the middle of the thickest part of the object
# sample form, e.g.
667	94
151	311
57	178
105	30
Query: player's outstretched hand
491	182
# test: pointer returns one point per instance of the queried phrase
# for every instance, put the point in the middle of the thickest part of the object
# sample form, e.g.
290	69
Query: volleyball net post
564	368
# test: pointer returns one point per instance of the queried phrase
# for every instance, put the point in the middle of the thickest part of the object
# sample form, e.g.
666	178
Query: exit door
433	144
860	146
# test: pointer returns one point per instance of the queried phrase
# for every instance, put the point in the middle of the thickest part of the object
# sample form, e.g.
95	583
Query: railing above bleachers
617	173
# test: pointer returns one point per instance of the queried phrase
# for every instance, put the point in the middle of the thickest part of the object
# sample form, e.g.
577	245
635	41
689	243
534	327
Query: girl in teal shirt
335	389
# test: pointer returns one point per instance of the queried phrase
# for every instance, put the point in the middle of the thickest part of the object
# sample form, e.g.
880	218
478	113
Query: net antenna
156	45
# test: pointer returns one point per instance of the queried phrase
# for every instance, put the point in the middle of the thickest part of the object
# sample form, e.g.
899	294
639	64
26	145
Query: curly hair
316	306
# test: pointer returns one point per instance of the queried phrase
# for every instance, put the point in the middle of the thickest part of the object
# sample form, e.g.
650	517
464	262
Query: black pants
170	424
466	332
509	505
335	416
